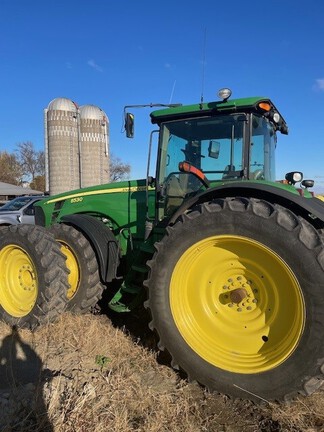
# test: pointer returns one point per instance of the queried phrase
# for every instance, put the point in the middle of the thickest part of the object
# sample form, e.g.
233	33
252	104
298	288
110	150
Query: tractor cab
204	145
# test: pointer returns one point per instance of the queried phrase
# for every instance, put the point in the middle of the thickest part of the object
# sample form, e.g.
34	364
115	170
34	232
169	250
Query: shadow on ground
21	386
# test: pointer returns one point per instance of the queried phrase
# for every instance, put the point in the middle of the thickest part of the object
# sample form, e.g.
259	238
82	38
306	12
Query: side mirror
307	183
214	149
129	125
30	211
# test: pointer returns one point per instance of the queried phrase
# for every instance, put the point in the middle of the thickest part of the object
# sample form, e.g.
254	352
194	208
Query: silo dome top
62	104
92	112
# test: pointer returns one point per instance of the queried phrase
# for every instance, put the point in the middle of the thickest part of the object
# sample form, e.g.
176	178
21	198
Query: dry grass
95	377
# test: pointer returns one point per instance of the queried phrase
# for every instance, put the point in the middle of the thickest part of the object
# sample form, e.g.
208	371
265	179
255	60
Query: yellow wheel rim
237	304
19	285
73	267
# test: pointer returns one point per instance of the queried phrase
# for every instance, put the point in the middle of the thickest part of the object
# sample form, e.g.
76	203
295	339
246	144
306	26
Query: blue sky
116	53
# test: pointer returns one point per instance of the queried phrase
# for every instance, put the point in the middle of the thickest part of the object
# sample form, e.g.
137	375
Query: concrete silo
62	146
94	146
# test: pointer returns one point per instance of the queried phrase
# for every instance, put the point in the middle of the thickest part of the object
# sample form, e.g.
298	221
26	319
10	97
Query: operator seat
174	194
229	172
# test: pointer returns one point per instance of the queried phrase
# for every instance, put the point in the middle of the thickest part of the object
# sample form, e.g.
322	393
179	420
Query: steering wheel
191	169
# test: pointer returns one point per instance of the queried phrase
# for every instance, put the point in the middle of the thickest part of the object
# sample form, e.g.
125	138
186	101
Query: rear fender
102	240
311	209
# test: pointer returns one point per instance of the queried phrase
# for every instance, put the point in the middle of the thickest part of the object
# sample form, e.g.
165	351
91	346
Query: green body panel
121	206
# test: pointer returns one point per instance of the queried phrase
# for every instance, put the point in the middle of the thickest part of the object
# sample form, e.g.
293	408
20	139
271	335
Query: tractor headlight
276	117
294	177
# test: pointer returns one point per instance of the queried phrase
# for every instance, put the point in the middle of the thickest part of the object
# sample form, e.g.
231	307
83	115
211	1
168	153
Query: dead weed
94	377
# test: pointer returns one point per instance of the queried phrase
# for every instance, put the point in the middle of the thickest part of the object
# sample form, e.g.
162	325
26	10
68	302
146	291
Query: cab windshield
213	145
221	147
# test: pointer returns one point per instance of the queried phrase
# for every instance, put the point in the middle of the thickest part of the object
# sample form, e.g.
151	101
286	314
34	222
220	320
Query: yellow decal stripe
99	192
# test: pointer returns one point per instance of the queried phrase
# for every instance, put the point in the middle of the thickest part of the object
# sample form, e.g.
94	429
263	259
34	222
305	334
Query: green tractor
228	262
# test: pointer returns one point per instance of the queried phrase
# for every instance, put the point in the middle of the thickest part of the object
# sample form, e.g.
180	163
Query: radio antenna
171	96
203	69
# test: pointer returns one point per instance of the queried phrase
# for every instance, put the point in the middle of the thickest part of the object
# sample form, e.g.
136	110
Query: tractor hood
112	198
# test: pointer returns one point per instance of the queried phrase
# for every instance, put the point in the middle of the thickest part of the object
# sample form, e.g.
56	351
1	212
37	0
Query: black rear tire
33	276
85	286
284	258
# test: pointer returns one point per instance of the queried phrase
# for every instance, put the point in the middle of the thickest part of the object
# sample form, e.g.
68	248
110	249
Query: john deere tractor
228	262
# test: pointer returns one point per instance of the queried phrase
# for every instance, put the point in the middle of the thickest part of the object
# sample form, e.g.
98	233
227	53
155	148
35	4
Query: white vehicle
19	210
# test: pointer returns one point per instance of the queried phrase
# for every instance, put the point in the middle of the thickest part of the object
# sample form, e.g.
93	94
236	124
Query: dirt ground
89	373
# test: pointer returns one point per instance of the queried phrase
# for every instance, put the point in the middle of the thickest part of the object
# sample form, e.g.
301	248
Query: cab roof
247	105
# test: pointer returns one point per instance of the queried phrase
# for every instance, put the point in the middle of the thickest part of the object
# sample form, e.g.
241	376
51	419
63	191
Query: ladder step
147	247
140	268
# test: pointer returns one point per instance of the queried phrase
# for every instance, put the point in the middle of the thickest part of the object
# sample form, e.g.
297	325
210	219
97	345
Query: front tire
236	296
33	276
85	288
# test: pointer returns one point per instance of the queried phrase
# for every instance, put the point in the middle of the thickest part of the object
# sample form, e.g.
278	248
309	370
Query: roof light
224	94
265	106
276	117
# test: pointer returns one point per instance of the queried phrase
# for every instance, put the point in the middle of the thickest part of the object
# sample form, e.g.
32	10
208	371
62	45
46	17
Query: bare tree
118	169
10	169
31	160
38	183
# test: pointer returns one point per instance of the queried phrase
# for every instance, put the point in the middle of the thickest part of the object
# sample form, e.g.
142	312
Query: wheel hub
73	266
238	295
26	278
247	313
19	287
